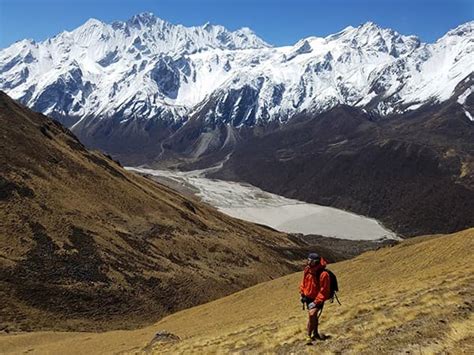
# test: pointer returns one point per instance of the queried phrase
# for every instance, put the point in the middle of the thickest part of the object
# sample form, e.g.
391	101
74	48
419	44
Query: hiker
314	290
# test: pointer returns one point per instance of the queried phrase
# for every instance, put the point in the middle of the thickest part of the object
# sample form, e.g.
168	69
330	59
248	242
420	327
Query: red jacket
315	283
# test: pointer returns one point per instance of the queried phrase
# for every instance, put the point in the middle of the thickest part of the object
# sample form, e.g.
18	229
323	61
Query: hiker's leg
312	321
316	325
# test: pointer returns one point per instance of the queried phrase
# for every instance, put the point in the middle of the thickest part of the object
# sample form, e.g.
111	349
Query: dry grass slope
416	297
411	297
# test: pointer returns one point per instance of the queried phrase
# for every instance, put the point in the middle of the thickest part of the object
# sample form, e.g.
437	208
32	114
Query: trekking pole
319	313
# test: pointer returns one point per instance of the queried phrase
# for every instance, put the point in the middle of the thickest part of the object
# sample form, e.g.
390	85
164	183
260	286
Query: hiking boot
309	340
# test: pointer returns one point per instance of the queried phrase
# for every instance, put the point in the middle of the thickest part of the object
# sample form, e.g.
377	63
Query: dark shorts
307	300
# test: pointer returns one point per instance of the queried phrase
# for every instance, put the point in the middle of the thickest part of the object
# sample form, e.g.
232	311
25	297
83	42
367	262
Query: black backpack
333	286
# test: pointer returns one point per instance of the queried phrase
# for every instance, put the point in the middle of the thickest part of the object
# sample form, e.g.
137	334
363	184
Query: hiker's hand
303	298
313	305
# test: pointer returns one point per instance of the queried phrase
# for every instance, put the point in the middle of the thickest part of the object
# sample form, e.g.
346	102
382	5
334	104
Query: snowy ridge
148	68
120	68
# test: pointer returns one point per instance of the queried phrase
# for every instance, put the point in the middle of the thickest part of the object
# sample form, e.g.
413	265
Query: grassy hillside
416	297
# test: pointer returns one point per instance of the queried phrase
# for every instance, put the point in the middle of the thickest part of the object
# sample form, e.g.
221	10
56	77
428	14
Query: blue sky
279	22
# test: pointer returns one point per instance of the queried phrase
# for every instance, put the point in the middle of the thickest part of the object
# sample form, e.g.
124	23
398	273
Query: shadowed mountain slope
85	244
415	172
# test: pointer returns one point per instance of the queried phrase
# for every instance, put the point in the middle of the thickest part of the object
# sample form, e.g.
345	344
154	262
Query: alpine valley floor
415	297
249	203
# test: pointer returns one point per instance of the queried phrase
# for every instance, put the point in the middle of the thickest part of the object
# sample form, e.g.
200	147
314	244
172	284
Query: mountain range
367	119
128	85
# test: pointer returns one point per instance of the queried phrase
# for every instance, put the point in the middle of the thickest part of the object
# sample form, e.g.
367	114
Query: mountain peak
372	29
365	27
462	30
369	25
144	18
92	22
371	36
245	30
145	15
250	38
363	30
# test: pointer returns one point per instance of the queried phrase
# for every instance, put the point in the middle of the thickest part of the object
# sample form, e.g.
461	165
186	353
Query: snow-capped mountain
365	66
147	70
134	68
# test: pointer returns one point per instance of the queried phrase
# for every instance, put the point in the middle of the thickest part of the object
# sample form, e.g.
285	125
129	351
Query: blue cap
314	256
